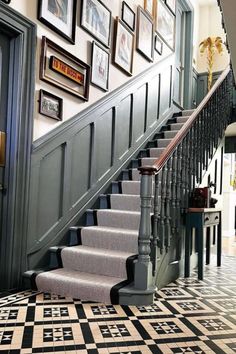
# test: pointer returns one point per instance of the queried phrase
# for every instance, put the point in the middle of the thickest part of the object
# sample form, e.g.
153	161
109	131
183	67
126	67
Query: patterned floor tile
190	306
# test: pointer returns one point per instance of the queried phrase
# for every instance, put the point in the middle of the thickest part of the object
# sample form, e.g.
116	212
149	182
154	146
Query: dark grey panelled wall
71	164
202	84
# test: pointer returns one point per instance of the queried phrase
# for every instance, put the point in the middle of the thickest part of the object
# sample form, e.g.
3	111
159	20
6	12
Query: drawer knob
216	217
206	219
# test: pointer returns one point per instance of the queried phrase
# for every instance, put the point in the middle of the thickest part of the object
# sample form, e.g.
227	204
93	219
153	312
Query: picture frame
145	34
50	105
100	66
128	16
63	70
171	5
158	44
60	19
96	20
165	25
6	1
149	6
123	47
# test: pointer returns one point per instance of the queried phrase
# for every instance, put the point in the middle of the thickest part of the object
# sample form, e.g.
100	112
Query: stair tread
110	229
113	211
91	251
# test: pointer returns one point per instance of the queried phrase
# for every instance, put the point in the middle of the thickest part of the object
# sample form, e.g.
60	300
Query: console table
199	218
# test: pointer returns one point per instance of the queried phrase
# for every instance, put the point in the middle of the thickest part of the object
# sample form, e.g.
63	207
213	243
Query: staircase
100	259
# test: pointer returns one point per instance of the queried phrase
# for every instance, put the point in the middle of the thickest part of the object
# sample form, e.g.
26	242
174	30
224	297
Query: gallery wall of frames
143	28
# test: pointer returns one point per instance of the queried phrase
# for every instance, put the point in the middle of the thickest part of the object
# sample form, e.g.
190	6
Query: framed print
128	16
63	70
50	105
165	25
149	6
145	34
96	19
171	4
124	47
60	16
6	1
158	45
100	67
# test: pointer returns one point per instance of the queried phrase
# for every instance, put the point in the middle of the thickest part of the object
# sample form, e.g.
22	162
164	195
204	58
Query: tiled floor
188	316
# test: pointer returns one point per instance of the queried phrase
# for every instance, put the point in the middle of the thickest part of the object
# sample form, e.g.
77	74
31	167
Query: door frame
188	58
19	126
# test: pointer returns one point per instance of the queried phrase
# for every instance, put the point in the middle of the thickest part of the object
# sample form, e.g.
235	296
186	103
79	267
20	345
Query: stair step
130	187
118	218
176	126
163	142
156	152
170	134
148	161
110	238
125	202
188	112
78	285
182	119
135	174
96	260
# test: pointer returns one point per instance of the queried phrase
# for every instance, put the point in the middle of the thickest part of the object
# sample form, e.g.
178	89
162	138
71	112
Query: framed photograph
100	66
158	45
50	105
149	6
145	34
60	16
96	19
128	16
63	70
165	25
172	5
6	1
123	47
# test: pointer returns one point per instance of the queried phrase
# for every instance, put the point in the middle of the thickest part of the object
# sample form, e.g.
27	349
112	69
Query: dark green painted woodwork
202	84
230	144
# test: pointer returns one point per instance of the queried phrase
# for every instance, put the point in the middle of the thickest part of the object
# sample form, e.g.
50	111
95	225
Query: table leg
219	242
208	245
188	236
199	235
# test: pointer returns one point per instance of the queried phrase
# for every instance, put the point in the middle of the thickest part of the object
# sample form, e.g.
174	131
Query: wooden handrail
164	157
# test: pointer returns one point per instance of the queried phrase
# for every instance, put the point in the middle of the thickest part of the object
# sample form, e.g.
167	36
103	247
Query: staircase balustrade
179	168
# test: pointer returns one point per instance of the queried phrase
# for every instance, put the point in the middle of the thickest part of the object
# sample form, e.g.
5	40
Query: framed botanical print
96	19
149	6
128	16
172	5
158	45
145	34
60	16
50	105
123	47
100	66
165	25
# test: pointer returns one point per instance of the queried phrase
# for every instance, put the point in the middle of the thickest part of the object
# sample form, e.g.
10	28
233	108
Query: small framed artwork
100	67
63	70
128	16
165	25
145	34
60	16
123	47
6	1
158	45
50	105
172	5
96	19
149	6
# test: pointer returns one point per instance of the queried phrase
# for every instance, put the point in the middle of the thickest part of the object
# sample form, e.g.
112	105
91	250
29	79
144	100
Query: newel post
143	267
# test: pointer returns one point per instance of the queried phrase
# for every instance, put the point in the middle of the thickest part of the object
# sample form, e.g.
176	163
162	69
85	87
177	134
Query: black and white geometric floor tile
188	316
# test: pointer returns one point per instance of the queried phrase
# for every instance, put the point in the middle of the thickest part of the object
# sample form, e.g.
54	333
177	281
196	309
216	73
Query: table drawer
211	218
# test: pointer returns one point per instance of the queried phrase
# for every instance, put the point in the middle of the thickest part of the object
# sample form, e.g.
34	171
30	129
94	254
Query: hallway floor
188	316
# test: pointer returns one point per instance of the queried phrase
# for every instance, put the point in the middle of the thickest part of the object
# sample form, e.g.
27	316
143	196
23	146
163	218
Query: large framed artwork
96	19
165	25
100	66
60	16
123	47
63	70
145	34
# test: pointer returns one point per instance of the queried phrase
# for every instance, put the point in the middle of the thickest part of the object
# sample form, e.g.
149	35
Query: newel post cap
147	170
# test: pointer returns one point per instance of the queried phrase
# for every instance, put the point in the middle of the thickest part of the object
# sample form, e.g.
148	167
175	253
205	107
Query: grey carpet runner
93	269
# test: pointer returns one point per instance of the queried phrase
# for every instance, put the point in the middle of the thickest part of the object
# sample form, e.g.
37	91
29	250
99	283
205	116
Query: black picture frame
123	53
128	16
145	39
50	105
158	44
165	25
101	30
63	70
6	1
100	66
171	5
64	24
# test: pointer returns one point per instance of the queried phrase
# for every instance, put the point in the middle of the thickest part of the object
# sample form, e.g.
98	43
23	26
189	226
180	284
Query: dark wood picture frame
165	25
142	34
128	16
45	105
158	44
101	13
171	5
72	74
66	28
123	53
100	62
